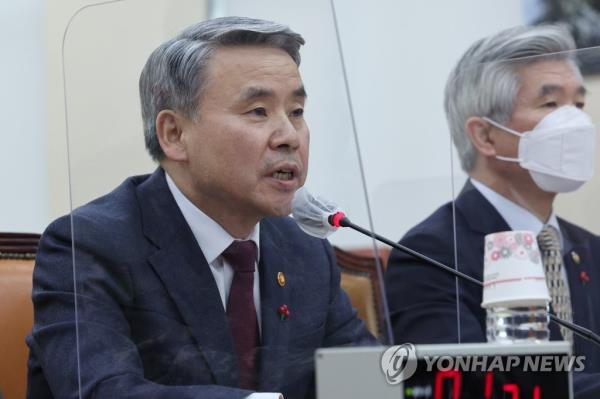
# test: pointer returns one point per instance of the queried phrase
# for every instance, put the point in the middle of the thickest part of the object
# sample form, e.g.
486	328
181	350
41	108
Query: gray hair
485	81
174	75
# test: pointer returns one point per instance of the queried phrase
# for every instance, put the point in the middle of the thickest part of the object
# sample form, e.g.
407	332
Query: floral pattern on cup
512	244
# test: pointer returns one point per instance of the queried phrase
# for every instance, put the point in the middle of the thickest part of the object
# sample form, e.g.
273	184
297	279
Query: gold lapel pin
576	258
281	279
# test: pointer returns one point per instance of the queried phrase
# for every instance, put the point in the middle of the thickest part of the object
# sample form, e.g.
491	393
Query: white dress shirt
519	218
213	240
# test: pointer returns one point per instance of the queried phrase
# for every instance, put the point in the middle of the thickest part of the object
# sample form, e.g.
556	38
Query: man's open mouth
283	174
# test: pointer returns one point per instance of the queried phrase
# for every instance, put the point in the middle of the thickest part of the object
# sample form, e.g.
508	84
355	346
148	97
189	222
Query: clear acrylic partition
545	84
105	49
413	172
105	46
559	77
380	149
397	80
419	193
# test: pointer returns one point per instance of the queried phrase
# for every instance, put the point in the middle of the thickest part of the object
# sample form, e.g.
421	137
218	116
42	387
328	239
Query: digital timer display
515	383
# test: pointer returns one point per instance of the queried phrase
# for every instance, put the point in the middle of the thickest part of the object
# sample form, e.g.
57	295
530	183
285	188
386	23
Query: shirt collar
517	217
211	237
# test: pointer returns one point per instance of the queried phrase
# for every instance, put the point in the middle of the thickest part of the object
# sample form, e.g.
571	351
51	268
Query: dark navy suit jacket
150	321
422	299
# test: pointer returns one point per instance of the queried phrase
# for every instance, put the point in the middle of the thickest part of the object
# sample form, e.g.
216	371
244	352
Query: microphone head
312	213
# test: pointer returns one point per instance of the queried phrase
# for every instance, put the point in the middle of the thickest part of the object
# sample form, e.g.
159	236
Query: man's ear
478	131
169	128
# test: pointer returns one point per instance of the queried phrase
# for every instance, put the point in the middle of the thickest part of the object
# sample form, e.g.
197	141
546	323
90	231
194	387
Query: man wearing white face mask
559	151
517	121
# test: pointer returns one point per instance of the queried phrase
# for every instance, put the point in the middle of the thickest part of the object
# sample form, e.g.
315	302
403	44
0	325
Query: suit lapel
577	260
275	332
181	266
472	204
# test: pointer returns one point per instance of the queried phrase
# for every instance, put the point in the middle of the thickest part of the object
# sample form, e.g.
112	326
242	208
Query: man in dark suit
192	282
494	103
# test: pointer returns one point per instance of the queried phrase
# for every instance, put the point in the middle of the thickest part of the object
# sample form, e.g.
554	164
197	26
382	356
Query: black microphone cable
339	219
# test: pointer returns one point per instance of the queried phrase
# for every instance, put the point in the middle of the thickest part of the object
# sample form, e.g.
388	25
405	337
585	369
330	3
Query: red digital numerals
455	378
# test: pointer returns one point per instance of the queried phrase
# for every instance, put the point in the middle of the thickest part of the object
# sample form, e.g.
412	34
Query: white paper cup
513	274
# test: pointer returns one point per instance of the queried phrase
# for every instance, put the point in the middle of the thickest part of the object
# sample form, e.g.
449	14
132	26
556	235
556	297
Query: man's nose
285	134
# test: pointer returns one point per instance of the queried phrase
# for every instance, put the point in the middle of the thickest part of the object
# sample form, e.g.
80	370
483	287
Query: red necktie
243	324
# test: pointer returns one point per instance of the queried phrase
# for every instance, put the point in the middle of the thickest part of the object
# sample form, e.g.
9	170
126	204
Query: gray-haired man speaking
192	282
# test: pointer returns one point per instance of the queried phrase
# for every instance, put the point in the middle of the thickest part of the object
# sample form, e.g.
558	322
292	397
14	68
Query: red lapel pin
284	312
584	277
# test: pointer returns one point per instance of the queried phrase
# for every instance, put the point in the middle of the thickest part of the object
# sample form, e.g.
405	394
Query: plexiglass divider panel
413	177
140	249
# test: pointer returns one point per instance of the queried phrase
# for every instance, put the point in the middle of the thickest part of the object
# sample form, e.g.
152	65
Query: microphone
321	217
312	213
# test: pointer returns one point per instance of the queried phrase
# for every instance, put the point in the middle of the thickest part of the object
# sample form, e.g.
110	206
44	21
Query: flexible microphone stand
339	219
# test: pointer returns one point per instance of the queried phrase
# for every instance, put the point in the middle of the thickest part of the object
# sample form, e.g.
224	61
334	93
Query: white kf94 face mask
559	152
